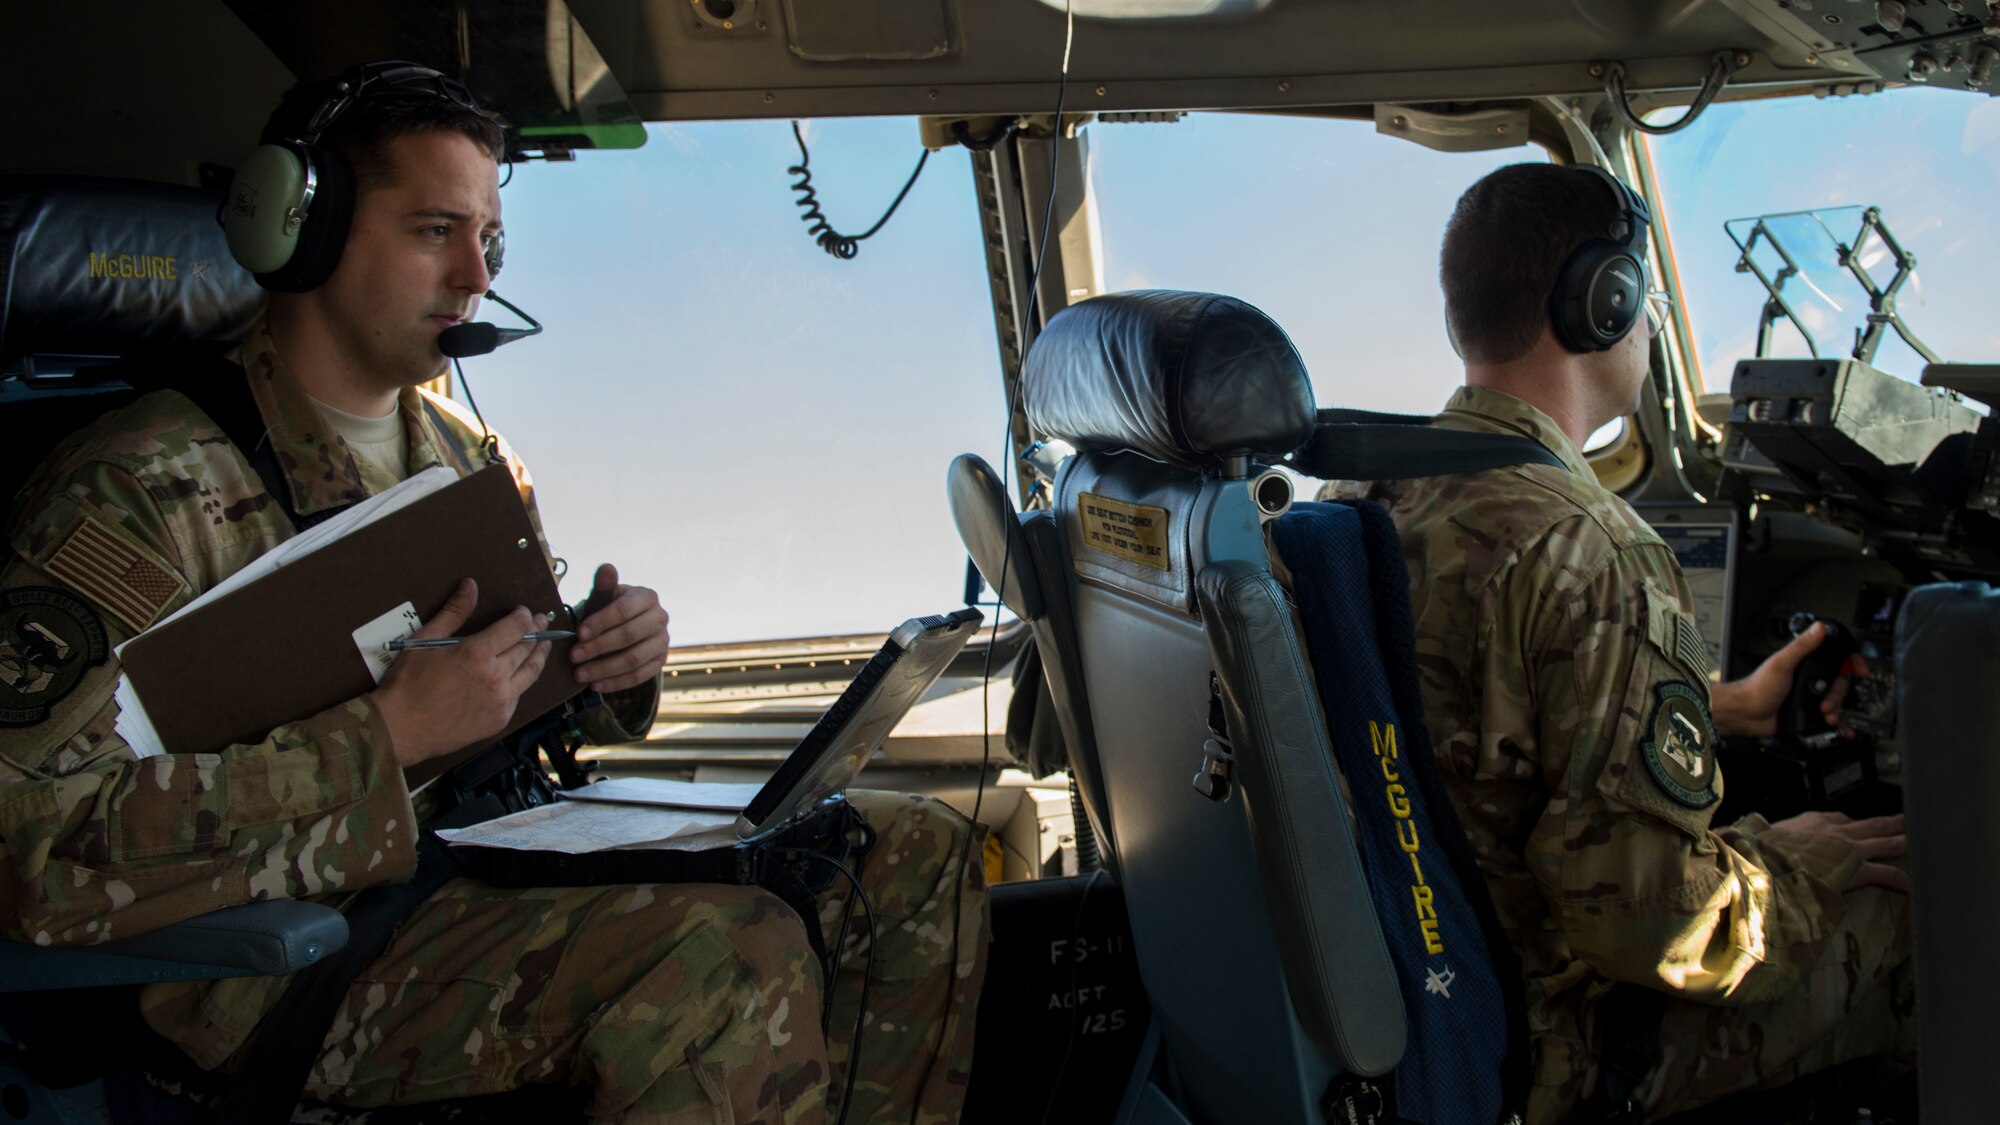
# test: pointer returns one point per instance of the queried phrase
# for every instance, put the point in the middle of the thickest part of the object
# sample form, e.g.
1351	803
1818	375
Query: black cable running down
832	965
1000	589
868	974
842	246
489	443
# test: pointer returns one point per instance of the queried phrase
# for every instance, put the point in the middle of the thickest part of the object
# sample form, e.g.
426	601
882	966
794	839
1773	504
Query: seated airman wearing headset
372	215
1667	961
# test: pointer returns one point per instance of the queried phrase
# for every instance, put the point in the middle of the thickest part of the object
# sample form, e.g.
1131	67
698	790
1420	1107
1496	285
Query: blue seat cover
1352	591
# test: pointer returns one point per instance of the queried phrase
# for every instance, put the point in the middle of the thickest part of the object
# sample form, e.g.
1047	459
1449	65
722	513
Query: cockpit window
1324	224
754	428
1927	160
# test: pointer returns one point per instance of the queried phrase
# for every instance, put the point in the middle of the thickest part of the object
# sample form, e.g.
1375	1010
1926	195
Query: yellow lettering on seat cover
134	267
1382	738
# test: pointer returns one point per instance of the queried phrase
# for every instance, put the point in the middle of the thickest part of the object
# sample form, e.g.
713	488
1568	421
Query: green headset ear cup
267	185
324	233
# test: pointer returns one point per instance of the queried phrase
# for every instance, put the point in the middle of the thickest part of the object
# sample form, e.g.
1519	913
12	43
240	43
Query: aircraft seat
92	270
1028	550
1252	924
1947	661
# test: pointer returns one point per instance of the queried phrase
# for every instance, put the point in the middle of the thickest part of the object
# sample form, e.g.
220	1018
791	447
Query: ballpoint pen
405	643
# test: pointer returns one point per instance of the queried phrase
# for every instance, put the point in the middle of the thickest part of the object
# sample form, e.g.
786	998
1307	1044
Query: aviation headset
1600	292
291	203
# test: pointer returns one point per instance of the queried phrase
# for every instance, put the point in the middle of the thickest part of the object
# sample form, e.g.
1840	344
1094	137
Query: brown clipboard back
282	648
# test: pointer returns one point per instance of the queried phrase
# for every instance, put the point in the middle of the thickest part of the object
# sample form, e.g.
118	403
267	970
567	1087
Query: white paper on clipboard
133	726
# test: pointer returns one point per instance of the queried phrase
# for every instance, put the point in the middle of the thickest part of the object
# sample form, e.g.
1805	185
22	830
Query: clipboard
283	648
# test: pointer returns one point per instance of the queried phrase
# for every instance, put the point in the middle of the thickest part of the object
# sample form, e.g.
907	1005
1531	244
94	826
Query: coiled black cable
842	246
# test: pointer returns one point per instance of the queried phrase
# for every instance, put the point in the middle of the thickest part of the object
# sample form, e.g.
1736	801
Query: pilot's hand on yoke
435	701
623	642
1750	706
1880	839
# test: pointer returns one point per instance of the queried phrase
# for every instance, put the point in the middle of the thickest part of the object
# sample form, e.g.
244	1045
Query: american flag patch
106	568
1690	647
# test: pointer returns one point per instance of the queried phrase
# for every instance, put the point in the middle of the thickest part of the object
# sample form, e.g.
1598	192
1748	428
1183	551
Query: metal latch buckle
1218	758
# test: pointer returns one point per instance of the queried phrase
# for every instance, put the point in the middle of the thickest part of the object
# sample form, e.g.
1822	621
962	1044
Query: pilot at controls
372	214
1667	961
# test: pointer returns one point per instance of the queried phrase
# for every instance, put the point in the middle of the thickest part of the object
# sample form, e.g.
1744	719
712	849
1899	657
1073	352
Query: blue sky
1929	158
761	432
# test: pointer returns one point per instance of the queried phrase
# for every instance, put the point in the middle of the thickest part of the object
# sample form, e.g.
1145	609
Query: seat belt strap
1369	445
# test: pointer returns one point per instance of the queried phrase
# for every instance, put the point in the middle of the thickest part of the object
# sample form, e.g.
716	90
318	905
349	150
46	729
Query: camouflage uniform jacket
1566	693
144	509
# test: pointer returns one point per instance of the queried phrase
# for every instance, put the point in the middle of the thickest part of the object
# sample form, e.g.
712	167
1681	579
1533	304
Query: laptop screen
830	756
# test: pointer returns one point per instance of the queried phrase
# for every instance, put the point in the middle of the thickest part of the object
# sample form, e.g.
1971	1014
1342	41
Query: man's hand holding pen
464	690
437	702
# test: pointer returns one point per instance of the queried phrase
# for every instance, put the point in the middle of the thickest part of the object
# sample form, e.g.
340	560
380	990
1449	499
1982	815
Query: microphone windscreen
463	340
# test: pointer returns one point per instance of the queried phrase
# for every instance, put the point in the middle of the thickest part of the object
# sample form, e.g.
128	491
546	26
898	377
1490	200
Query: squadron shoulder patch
48	639
1679	746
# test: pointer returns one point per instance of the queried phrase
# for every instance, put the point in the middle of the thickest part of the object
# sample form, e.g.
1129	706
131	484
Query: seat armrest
1343	984
258	939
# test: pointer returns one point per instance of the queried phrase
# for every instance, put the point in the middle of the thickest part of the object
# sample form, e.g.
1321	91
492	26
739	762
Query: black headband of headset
1634	217
395	78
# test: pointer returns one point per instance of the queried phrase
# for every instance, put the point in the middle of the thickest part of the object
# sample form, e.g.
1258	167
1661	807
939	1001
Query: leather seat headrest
1184	378
100	267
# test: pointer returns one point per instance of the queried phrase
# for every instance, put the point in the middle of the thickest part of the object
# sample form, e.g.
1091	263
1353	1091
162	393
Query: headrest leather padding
98	267
1184	378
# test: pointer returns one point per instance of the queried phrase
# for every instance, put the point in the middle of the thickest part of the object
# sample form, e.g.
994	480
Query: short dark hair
1508	237
363	131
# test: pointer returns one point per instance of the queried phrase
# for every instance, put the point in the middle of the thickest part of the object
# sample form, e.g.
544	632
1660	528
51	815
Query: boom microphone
461	341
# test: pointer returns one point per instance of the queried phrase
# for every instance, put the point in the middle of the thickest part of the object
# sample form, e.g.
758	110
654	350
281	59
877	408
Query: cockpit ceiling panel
527	59
792	58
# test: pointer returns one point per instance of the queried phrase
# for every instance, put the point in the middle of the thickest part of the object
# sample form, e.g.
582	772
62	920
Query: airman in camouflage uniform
671	1003
656	996
1567	694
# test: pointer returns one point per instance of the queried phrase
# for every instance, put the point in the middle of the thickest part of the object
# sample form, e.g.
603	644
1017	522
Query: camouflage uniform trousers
1857	1000
680	1005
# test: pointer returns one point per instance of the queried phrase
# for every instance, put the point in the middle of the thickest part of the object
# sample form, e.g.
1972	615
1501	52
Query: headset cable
1000	584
